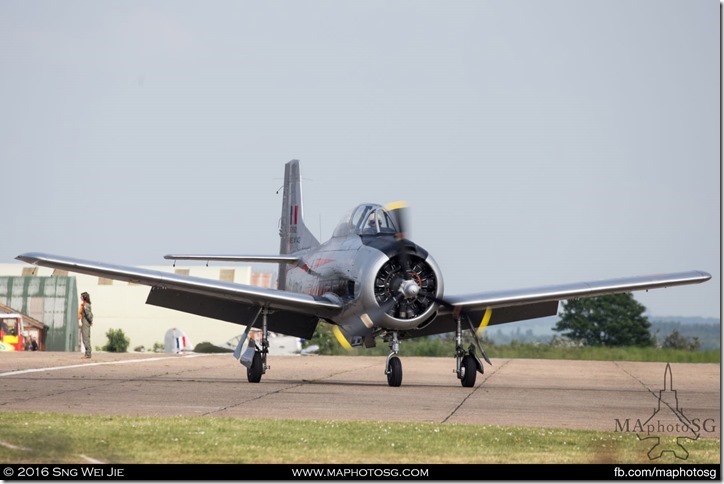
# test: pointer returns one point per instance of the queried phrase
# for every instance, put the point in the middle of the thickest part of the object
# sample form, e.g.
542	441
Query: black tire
254	372
471	370
394	377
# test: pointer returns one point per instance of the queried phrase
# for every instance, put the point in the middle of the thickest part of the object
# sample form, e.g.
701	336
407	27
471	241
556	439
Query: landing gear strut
467	363
393	366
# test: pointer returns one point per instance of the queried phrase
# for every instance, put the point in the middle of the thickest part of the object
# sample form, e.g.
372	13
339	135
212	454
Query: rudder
295	236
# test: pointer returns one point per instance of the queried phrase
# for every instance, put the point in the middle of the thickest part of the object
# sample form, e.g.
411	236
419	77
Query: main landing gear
254	356
258	362
467	363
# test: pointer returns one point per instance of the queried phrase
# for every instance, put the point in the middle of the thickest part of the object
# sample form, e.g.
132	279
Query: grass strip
54	438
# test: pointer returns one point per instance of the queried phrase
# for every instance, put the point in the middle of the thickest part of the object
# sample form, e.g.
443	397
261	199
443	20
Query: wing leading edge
519	297
537	302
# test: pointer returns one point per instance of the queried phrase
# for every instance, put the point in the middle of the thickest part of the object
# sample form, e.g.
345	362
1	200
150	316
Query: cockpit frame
367	219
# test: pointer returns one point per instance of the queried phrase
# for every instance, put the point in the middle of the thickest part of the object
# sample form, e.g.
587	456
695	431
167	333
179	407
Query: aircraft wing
519	304
294	314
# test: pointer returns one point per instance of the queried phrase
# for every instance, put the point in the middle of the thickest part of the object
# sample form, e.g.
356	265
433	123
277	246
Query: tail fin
295	236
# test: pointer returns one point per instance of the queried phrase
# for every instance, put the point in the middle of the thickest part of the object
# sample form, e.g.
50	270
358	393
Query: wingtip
705	275
29	257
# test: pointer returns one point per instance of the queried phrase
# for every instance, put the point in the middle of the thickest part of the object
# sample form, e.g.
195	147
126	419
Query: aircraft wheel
254	372
394	377
469	371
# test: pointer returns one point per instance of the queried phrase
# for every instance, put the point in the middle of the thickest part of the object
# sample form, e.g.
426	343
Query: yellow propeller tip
396	205
484	322
341	339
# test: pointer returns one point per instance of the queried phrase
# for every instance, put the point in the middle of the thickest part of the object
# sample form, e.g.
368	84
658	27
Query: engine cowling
406	297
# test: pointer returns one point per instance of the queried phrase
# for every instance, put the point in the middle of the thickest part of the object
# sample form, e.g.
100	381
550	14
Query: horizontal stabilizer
272	259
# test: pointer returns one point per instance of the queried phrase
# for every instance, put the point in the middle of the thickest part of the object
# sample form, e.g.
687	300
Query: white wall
123	306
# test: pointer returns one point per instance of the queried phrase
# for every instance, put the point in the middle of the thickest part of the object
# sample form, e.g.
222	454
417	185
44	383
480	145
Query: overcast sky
538	142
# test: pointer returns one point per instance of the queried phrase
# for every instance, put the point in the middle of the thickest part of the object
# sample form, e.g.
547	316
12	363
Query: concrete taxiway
596	395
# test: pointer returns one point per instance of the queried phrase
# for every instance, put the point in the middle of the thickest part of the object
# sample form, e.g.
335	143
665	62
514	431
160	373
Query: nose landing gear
393	366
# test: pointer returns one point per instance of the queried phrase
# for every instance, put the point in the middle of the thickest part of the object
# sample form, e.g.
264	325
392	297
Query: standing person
85	316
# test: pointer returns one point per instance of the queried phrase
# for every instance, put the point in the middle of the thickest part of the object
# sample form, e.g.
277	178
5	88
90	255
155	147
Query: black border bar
368	472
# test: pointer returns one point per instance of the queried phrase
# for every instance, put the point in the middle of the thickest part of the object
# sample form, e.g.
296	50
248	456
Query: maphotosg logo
667	428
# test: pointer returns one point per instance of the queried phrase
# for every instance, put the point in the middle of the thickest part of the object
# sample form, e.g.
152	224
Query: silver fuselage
345	268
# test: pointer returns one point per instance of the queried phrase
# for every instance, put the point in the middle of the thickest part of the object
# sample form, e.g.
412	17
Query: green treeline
557	348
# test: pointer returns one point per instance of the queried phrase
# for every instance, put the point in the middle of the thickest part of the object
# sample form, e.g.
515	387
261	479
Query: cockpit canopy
366	219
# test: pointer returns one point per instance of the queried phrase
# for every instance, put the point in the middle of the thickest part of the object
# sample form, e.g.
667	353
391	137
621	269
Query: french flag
294	214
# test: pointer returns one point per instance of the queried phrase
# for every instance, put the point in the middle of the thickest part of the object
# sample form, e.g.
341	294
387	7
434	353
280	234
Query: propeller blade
485	321
441	302
341	339
398	211
388	305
